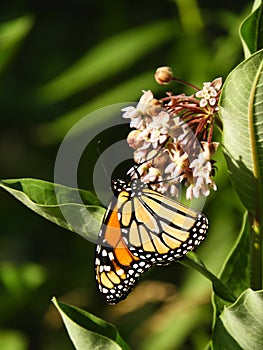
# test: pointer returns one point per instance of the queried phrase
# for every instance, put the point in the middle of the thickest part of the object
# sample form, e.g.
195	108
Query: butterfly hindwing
117	269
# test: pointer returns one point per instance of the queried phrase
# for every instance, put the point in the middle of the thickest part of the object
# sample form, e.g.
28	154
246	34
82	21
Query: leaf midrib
254	152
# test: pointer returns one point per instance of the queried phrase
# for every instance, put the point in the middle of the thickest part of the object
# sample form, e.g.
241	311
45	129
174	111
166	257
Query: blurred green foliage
56	65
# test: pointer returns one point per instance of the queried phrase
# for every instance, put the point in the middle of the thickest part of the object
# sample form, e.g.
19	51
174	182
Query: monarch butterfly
142	228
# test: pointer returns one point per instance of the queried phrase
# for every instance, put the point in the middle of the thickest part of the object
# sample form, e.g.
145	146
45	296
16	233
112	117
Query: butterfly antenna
102	162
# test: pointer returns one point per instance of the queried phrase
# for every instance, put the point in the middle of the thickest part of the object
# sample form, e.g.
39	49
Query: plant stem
219	287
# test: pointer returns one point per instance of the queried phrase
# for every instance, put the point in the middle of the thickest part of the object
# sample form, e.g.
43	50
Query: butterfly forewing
142	228
163	230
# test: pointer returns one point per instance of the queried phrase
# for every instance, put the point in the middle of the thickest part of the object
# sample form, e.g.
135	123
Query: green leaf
240	326
20	279
251	31
11	35
13	340
76	210
236	271
108	58
87	331
190	16
242	114
221	340
256	4
126	91
221	289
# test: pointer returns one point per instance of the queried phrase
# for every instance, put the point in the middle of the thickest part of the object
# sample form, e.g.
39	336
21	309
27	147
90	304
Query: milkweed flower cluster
172	137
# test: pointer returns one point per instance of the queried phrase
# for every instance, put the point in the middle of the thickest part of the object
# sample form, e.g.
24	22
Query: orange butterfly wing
117	269
142	228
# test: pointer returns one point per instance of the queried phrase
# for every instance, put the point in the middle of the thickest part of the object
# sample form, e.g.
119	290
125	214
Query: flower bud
163	75
154	107
135	139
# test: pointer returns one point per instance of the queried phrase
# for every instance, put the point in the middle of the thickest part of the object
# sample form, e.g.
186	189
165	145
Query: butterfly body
142	228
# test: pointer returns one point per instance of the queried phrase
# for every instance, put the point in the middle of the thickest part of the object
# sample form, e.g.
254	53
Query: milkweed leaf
242	114
87	331
251	32
236	270
76	210
240	326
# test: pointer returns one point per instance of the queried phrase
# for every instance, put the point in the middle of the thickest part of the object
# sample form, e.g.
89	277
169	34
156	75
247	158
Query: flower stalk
219	287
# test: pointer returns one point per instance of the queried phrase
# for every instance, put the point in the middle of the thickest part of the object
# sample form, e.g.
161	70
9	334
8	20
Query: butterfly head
133	187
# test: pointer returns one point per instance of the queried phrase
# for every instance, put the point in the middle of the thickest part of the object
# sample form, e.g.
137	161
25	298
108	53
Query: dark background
170	308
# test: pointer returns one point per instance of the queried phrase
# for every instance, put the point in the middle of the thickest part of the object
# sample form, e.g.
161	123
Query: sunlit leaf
240	326
87	331
228	48
236	271
81	211
190	16
251	32
242	115
108	58
127	91
192	260
13	340
20	279
11	35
